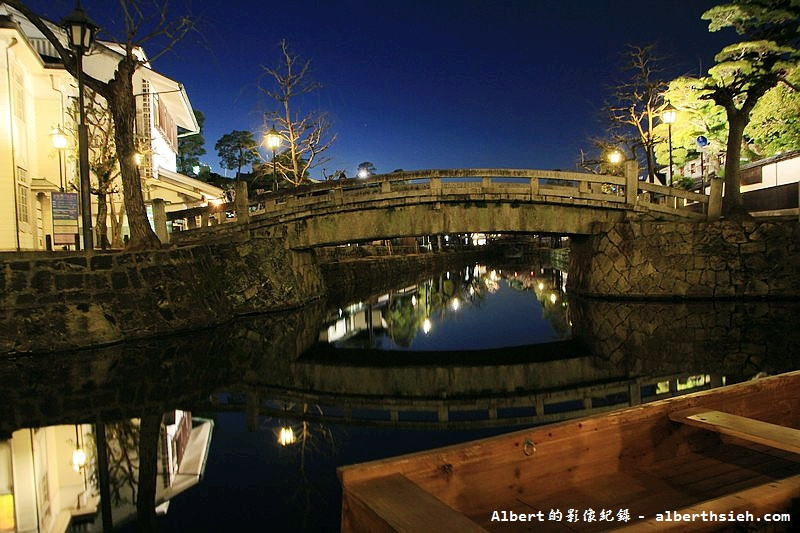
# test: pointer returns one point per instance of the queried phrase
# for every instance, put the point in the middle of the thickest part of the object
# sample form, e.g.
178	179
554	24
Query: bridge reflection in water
593	356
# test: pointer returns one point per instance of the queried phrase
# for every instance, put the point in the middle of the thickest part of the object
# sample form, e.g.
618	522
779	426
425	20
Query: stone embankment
676	260
60	302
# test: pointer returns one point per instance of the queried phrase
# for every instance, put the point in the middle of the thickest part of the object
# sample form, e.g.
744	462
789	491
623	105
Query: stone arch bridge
431	202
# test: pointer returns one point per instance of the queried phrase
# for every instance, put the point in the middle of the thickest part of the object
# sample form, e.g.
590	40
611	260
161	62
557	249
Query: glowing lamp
669	114
58	138
286	436
78	459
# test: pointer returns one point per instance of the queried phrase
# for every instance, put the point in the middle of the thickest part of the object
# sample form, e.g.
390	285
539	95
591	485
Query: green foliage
746	70
191	147
775	121
696	116
236	149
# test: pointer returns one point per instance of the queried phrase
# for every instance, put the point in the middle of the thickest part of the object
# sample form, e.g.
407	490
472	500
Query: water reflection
347	401
475	307
54	476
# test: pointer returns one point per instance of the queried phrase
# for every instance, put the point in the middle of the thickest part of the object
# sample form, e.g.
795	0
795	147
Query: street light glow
273	139
59	139
669	115
286	436
78	459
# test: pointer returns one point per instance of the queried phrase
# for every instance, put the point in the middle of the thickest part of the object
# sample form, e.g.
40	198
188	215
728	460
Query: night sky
435	84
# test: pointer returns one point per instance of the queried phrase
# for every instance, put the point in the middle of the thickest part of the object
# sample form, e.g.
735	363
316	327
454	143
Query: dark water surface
460	355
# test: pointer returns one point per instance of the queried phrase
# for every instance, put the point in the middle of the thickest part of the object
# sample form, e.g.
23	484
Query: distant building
769	185
36	95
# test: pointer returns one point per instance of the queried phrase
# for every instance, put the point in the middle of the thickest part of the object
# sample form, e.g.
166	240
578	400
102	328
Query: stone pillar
242	203
534	186
715	199
160	220
631	181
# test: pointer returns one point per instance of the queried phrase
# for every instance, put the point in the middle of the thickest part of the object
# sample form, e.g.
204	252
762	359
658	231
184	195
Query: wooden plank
771	497
781	437
403	506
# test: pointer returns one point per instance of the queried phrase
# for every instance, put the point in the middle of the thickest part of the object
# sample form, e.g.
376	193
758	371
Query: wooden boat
724	452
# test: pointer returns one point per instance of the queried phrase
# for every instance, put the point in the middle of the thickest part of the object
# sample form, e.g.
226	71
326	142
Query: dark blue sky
435	84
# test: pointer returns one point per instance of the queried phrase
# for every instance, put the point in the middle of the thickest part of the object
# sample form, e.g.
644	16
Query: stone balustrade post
534	186
242	203
386	186
715	199
160	220
436	185
486	182
631	182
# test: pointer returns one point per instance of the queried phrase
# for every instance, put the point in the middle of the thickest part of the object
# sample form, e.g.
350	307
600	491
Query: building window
750	176
23	203
22	195
166	125
19	96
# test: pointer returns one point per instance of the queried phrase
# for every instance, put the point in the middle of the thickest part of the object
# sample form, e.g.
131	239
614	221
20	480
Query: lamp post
668	116
274	141
81	31
59	143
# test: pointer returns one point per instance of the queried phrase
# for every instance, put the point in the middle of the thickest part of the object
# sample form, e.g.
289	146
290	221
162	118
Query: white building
44	488
36	95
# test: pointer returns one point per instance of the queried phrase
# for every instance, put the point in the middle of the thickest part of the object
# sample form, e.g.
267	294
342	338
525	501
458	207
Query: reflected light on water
426	325
286	436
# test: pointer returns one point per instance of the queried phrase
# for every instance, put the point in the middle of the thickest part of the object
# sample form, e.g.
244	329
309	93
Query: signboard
65	217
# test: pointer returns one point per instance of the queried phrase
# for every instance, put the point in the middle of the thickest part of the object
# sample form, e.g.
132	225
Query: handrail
434	185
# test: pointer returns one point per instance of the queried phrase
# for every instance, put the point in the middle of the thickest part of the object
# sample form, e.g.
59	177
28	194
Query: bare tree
141	25
307	136
637	102
103	164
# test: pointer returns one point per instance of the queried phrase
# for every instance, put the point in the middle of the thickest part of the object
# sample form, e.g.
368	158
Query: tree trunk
116	226
101	227
732	203
123	109
150	429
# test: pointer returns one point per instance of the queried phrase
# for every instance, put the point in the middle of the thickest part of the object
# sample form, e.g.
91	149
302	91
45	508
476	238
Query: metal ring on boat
528	447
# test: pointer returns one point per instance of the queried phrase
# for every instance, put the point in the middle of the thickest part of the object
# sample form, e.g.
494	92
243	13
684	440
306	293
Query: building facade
38	181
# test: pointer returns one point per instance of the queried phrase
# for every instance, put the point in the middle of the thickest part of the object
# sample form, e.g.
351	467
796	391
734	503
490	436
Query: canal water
439	358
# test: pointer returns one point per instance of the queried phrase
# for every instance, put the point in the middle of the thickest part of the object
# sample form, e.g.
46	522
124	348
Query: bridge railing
523	185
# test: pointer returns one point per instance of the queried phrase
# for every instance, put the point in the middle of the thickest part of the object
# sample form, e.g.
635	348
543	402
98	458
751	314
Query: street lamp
59	143
273	139
615	157
668	116
81	31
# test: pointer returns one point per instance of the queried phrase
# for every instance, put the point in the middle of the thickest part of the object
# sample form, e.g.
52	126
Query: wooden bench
773	435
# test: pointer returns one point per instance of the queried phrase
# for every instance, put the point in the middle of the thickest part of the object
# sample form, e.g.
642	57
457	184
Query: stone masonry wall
723	259
61	302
